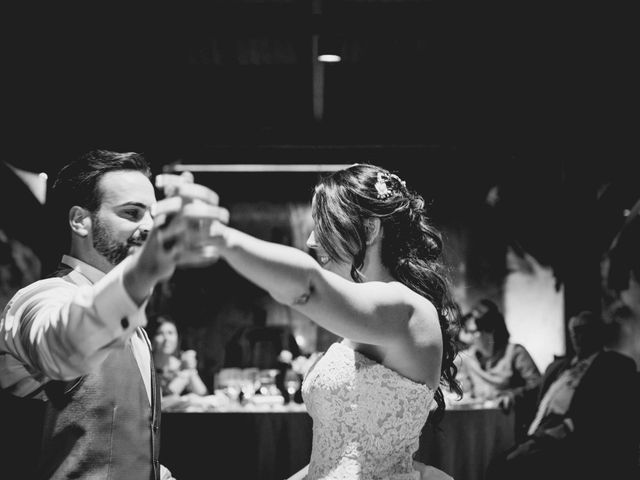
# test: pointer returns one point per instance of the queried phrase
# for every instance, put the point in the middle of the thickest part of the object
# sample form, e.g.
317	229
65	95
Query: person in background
379	283
621	297
493	368
177	370
466	334
584	425
77	384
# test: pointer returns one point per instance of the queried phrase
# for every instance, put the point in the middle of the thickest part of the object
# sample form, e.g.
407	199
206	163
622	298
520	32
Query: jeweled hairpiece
384	186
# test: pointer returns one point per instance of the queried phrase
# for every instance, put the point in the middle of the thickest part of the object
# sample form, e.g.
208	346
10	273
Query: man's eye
133	214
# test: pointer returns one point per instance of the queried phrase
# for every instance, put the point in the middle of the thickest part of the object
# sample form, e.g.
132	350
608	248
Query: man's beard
110	248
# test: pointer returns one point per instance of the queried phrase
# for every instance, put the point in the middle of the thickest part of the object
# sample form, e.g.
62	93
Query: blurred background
513	121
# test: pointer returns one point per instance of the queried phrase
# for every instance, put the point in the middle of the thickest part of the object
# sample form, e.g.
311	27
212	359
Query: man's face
585	335
122	222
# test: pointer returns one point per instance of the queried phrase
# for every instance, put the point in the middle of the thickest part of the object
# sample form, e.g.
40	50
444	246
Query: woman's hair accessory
384	186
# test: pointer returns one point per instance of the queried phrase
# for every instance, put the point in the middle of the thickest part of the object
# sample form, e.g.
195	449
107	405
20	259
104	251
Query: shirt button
125	323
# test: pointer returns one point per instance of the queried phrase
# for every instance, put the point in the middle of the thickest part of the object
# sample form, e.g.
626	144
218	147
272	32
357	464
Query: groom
78	393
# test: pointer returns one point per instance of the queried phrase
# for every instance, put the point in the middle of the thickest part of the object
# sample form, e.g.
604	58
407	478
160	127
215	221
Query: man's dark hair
77	182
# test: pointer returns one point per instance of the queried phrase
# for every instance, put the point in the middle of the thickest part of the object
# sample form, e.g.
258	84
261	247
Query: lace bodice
367	418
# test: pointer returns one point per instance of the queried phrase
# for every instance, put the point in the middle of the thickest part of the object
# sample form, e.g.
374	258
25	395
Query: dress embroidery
367	418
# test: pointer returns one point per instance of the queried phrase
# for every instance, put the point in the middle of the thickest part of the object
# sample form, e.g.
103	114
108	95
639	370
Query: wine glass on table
291	383
250	383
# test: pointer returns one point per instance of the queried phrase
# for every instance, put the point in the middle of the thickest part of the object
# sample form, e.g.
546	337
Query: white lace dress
367	418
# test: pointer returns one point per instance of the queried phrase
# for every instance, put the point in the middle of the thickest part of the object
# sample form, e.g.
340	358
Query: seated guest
622	296
466	333
583	426
177	370
493	368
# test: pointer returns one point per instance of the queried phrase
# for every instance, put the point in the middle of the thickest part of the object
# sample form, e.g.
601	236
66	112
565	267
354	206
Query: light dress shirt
57	330
558	397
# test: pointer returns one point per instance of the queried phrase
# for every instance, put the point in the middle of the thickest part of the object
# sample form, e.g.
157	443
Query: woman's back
367	419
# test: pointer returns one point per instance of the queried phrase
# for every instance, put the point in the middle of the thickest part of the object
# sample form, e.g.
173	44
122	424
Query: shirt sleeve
61	331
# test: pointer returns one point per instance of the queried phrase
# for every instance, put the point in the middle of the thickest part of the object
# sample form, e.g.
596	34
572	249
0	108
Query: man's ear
372	226
79	221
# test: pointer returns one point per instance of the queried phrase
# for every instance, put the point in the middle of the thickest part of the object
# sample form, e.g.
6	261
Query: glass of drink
199	241
291	383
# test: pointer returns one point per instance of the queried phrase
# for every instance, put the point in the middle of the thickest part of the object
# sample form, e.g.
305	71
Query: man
79	397
622	286
584	425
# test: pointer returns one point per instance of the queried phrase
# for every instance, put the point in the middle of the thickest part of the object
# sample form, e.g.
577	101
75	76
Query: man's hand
167	243
506	401
203	215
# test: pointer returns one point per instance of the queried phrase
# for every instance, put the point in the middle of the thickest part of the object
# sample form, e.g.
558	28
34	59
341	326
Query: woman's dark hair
489	319
411	246
155	324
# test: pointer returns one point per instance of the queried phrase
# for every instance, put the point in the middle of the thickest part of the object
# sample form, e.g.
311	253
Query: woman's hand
506	401
189	361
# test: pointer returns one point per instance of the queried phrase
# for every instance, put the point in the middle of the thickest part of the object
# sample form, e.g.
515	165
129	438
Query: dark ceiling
457	97
494	80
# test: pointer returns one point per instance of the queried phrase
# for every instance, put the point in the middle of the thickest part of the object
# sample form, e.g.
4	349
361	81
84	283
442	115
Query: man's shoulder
40	286
616	358
557	364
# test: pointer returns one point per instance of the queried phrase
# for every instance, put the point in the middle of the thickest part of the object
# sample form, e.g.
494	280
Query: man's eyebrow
134	204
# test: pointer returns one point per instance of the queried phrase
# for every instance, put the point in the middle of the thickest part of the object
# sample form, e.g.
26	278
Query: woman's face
339	268
482	341
166	338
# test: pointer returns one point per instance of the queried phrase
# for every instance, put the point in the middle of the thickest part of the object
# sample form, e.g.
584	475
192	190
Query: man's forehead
126	186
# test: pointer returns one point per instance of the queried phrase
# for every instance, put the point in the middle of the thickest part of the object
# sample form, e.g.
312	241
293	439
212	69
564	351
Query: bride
378	282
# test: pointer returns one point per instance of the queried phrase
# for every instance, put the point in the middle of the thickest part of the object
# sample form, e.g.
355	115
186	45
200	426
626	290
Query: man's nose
146	223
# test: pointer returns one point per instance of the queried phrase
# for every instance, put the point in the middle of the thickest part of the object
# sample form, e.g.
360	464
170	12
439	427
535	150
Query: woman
176	371
378	283
493	368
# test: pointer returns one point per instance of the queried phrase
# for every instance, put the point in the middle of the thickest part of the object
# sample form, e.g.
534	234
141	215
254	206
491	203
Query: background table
235	446
465	441
274	445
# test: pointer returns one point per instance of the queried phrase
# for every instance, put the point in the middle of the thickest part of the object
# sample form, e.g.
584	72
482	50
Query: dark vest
99	426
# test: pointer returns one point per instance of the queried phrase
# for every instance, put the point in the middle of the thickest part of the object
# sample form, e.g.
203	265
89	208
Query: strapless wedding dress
367	418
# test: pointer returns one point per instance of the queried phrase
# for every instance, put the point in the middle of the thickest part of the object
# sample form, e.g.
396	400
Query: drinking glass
291	383
199	242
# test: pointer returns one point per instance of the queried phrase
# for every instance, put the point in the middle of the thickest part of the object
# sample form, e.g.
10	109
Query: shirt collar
86	270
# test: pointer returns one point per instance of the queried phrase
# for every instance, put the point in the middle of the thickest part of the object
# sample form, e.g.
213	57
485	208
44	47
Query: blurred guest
622	297
622	285
177	370
466	334
494	368
583	427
